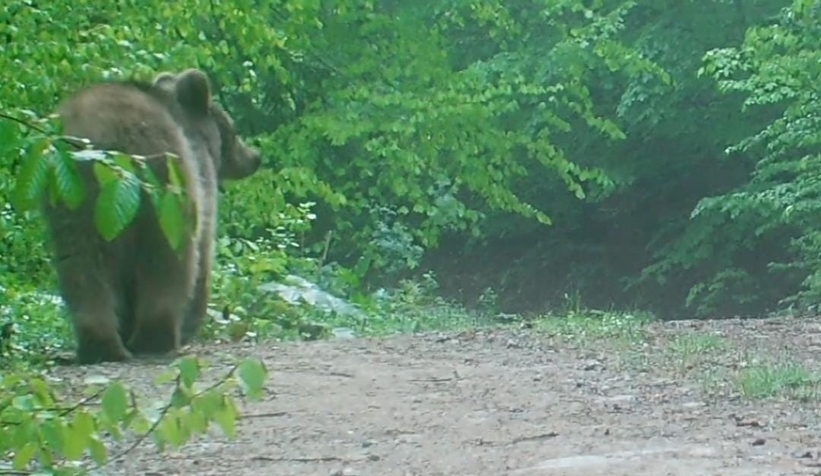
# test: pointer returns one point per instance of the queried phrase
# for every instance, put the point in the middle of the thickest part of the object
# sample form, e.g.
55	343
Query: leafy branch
32	427
49	168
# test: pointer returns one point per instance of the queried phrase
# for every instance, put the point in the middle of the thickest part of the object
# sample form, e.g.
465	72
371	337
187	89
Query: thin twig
22	122
82	402
164	412
62	411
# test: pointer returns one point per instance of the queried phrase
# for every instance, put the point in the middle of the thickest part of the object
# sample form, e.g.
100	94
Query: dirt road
508	403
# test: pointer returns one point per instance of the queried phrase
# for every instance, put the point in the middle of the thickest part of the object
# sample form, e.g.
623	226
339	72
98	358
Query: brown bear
136	294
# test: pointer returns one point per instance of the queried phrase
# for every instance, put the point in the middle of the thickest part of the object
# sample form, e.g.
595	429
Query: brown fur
136	294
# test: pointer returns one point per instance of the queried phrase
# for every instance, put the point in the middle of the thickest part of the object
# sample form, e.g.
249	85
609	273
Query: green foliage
632	244
433	140
400	133
436	141
38	431
773	215
50	171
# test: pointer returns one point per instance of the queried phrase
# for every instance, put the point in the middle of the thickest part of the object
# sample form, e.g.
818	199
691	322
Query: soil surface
503	402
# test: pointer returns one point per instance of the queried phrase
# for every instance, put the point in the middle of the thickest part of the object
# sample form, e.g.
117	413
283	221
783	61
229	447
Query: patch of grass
696	353
695	344
591	326
787	379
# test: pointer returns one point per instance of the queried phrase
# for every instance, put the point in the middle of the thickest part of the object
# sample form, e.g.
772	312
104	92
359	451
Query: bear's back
123	117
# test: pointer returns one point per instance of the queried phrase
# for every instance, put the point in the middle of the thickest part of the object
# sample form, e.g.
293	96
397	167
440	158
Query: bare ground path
504	403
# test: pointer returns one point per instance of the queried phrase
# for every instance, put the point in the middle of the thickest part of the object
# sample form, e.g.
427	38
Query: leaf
41	393
67	179
9	136
76	435
174	175
23	402
185	426
24	455
138	422
172	221
189	370
124	161
252	374
181	397
83	424
32	180
117	205
169	431
114	402
23	431
149	178
97	450
52	432
197	422
226	417
104	173
208	403
165	377
106	425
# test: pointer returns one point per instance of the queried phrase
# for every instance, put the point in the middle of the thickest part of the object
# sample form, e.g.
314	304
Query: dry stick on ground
262	415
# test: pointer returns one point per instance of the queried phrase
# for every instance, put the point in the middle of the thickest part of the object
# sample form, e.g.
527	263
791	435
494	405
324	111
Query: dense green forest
523	155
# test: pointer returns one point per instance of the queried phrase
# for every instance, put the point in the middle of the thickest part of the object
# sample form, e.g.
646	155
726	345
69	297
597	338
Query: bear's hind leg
92	306
157	327
163	288
161	295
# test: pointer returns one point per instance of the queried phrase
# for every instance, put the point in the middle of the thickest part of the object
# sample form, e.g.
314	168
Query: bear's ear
193	91
165	81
